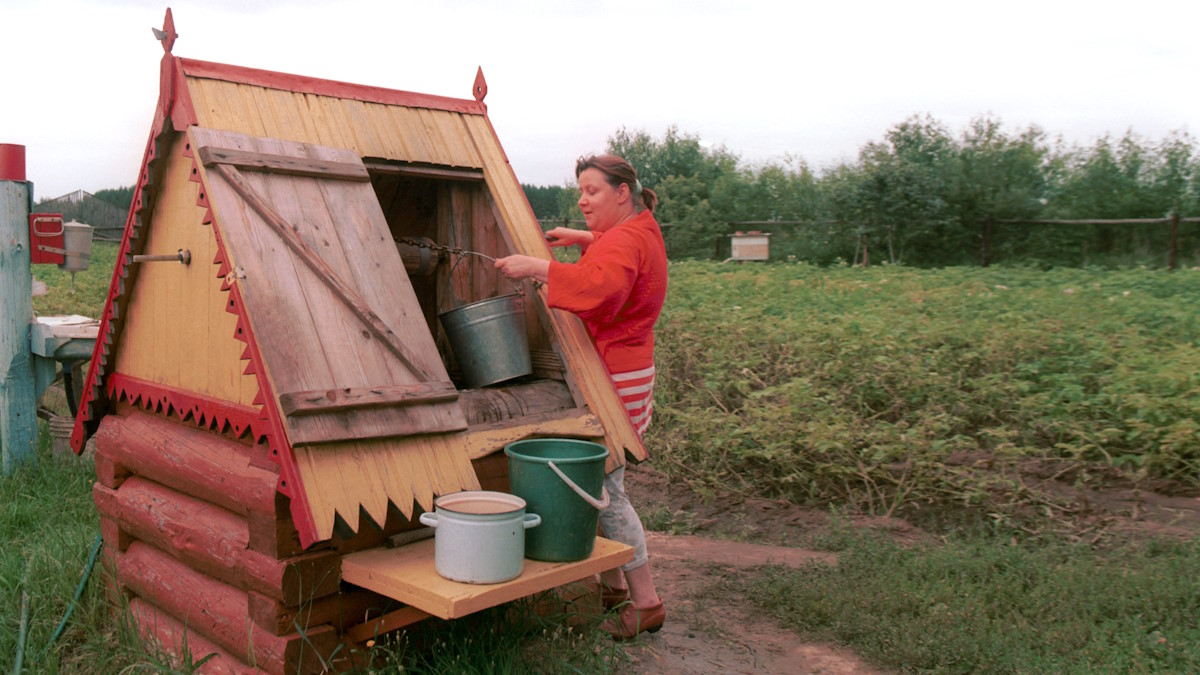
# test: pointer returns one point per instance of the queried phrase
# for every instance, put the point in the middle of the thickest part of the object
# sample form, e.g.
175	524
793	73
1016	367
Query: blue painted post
18	412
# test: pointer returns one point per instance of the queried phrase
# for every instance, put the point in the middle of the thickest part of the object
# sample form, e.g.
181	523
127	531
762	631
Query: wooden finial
167	35
480	88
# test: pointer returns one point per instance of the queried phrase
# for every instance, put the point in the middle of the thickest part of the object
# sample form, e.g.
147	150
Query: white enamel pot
480	536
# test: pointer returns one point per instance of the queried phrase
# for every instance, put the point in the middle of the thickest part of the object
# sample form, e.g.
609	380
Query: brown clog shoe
632	621
611	598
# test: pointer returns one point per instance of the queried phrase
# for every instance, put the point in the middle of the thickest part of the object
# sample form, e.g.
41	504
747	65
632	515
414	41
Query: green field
855	386
923	394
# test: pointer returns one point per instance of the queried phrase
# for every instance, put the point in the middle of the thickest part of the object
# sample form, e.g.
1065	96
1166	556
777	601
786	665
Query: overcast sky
79	79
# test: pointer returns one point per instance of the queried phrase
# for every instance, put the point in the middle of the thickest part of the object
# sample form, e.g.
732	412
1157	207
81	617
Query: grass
49	526
862	389
984	605
91	285
517	638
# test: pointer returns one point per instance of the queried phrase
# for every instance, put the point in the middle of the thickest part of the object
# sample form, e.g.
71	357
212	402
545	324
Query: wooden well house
271	395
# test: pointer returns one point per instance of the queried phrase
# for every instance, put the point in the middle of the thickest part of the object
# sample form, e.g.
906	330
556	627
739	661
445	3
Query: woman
617	288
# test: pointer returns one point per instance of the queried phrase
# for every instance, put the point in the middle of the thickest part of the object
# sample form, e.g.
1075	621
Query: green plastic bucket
561	480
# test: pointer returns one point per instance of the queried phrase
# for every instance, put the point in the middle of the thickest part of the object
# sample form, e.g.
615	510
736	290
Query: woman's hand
524	267
565	236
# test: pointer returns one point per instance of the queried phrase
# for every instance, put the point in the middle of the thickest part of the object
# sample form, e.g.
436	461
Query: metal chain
425	243
461	253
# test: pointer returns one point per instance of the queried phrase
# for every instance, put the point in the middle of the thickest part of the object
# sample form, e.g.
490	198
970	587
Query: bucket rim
446	502
602	451
479	303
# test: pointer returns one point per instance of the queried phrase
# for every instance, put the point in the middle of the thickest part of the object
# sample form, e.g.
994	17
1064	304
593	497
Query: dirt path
711	631
708	635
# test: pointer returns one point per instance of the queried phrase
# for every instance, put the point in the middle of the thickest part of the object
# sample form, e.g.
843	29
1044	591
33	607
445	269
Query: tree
543	199
121	197
683	174
998	177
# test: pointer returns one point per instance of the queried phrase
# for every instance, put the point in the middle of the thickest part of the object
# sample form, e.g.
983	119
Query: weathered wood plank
338	400
488	438
405	616
408	575
310	258
418	171
284	164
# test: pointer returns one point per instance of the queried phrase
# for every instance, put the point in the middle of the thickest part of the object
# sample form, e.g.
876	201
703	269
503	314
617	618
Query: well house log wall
200	543
202	546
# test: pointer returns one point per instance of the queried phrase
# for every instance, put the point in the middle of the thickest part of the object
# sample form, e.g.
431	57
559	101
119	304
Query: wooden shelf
407	574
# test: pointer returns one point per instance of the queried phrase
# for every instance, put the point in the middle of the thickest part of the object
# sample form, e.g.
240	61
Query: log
341	610
219	612
196	462
486	439
168	635
483	406
214	541
109	473
276	535
115	539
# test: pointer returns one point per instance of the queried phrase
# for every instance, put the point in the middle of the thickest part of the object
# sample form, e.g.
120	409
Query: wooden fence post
18	411
986	245
1174	240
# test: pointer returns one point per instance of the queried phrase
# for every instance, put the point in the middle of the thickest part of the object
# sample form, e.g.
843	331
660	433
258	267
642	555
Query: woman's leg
620	522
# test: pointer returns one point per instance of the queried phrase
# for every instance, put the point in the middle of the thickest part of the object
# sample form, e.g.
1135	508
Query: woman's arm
566	236
524	267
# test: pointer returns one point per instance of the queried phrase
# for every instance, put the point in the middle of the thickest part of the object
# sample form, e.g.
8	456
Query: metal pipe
183	256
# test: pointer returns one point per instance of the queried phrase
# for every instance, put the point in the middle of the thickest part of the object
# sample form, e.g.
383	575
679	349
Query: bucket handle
431	520
532	520
600	504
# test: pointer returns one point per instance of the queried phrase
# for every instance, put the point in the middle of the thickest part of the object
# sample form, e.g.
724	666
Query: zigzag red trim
204	411
269	421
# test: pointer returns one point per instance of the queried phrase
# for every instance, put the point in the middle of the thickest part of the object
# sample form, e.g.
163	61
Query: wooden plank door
343	339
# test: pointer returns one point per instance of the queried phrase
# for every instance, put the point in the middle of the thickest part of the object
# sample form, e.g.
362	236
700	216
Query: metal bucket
489	341
77	241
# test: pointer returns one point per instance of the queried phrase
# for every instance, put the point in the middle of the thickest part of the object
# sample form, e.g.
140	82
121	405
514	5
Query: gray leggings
620	522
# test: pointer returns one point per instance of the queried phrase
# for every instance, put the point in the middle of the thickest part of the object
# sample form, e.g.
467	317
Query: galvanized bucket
77	242
489	341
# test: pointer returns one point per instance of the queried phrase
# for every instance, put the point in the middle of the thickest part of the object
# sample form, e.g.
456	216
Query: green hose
23	631
87	573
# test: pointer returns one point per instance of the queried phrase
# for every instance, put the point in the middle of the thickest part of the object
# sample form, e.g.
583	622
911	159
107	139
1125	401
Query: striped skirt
636	389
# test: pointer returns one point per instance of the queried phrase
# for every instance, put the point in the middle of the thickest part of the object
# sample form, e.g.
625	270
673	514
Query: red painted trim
204	411
12	162
312	85
183	113
271	422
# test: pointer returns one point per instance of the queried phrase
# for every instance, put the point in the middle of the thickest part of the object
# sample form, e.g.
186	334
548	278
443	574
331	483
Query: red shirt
617	287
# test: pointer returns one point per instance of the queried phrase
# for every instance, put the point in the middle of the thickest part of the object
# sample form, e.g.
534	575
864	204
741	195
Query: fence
841	240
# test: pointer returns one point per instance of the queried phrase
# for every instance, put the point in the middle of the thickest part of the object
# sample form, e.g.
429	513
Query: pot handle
429	519
532	520
600	504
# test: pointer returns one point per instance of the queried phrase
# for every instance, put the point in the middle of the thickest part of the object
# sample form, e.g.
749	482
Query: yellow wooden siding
403	471
370	129
177	332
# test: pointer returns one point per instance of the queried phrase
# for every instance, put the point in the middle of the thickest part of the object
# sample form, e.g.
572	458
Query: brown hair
617	170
